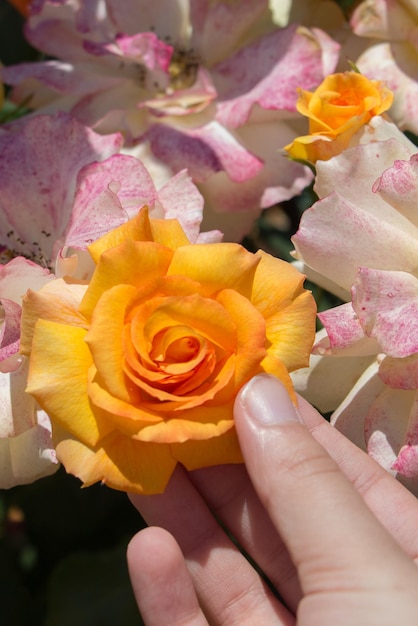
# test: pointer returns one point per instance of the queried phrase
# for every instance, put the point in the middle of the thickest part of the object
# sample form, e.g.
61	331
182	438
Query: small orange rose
139	369
339	107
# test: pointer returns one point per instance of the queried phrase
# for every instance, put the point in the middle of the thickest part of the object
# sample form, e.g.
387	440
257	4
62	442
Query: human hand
333	532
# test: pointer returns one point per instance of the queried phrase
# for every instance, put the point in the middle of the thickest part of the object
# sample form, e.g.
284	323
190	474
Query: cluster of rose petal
360	241
192	101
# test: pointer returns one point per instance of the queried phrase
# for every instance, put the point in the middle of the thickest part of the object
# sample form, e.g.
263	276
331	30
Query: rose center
182	350
183	69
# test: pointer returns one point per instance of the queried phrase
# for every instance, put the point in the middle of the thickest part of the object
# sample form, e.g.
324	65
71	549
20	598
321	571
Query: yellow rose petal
216	266
130	263
105	338
217	451
121	463
57	301
59	383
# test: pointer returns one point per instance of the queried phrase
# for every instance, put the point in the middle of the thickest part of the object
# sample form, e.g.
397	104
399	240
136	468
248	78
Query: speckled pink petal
203	151
143	48
336	237
268	73
96	209
400	373
39	164
407	462
180	199
345	335
398	186
386	304
10	315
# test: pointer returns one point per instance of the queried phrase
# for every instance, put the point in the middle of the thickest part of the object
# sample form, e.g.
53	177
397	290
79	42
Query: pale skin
335	534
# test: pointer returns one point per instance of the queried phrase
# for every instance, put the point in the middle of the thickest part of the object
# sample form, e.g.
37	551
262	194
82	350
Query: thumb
333	538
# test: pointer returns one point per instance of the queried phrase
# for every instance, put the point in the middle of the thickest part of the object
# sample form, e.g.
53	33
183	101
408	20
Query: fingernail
265	400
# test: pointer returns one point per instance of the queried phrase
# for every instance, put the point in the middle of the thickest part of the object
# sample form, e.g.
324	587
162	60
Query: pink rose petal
268	73
386	304
398	186
400	373
336	237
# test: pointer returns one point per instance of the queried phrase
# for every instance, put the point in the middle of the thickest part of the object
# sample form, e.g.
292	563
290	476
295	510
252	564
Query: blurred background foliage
62	548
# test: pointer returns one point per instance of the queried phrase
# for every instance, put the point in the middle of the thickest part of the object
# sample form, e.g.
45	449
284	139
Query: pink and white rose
361	239
208	86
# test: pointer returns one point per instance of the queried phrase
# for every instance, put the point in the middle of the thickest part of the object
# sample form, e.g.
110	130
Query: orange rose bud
339	107
139	369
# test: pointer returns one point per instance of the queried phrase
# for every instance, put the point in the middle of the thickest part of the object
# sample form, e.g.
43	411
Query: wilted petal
386	304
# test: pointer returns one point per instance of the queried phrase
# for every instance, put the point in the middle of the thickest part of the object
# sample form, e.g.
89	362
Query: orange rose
339	107
138	370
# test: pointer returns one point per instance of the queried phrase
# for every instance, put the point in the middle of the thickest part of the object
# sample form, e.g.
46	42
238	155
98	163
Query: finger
231	496
233	499
311	503
393	505
161	582
229	590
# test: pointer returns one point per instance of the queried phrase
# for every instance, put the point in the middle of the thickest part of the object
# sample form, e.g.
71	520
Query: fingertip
265	401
